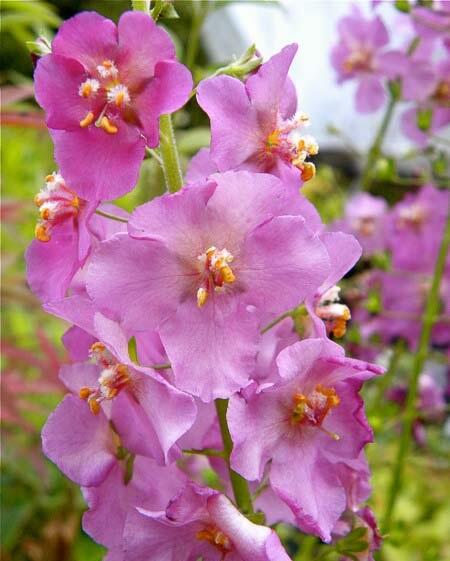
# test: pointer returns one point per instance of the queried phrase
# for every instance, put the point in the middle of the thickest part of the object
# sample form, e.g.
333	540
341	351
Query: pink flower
415	228
103	89
251	123
140	484
65	233
196	260
199	522
365	218
308	422
147	413
359	55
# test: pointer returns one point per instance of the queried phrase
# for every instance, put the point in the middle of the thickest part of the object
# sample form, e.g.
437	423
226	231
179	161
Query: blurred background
41	509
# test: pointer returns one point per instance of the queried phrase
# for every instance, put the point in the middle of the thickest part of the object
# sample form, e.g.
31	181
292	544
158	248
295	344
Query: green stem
375	149
111	216
205	452
199	10
169	155
240	486
429	318
141	5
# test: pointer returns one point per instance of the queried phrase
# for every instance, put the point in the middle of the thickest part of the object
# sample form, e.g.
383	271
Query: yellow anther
308	171
107	126
45	213
331	395
120	98
202	297
215	537
94	406
38	201
107	63
97	347
227	274
88	120
42	233
76	202
85	392
49	178
86	89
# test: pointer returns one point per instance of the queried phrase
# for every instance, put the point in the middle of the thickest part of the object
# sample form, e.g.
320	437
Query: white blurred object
312	24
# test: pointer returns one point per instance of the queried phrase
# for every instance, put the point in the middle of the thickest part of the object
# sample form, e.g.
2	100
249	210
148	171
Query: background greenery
41	509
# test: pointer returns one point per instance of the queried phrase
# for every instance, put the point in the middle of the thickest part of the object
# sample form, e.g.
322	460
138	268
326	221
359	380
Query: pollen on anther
119	95
107	126
88	120
107	69
42	232
89	87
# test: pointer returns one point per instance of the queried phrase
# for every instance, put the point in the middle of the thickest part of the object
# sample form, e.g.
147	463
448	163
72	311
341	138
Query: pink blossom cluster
409	233
415	73
176	307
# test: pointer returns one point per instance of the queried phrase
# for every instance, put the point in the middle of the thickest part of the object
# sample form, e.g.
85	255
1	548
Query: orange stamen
107	126
88	120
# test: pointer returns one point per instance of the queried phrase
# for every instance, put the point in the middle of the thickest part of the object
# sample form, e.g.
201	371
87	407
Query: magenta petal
212	351
370	94
283	263
128	276
267	86
256	427
344	251
78	442
75	376
171	412
309	486
167	92
142	44
98	165
87	37
200	167
74	309
56	83
52	265
77	342
288	101
234	125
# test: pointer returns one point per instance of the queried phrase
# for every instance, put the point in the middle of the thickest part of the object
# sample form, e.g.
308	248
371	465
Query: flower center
334	314
311	410
215	537
56	203
365	225
279	144
358	61
107	88
412	216
113	378
215	271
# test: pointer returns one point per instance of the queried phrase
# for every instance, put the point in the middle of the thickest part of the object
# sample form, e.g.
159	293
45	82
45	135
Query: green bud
244	65
40	47
424	118
403	6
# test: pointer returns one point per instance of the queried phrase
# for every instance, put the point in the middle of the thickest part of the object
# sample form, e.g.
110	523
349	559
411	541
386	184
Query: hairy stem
240	486
169	155
428	320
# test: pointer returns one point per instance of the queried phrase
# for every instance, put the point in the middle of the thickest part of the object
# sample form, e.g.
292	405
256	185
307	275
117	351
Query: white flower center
107	69
119	95
89	87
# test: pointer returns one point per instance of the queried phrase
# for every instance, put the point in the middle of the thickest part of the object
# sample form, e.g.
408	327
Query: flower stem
111	216
169	155
240	486
205	452
199	11
428	321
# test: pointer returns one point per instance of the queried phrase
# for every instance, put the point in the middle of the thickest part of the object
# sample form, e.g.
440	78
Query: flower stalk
428	321
241	490
169	155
